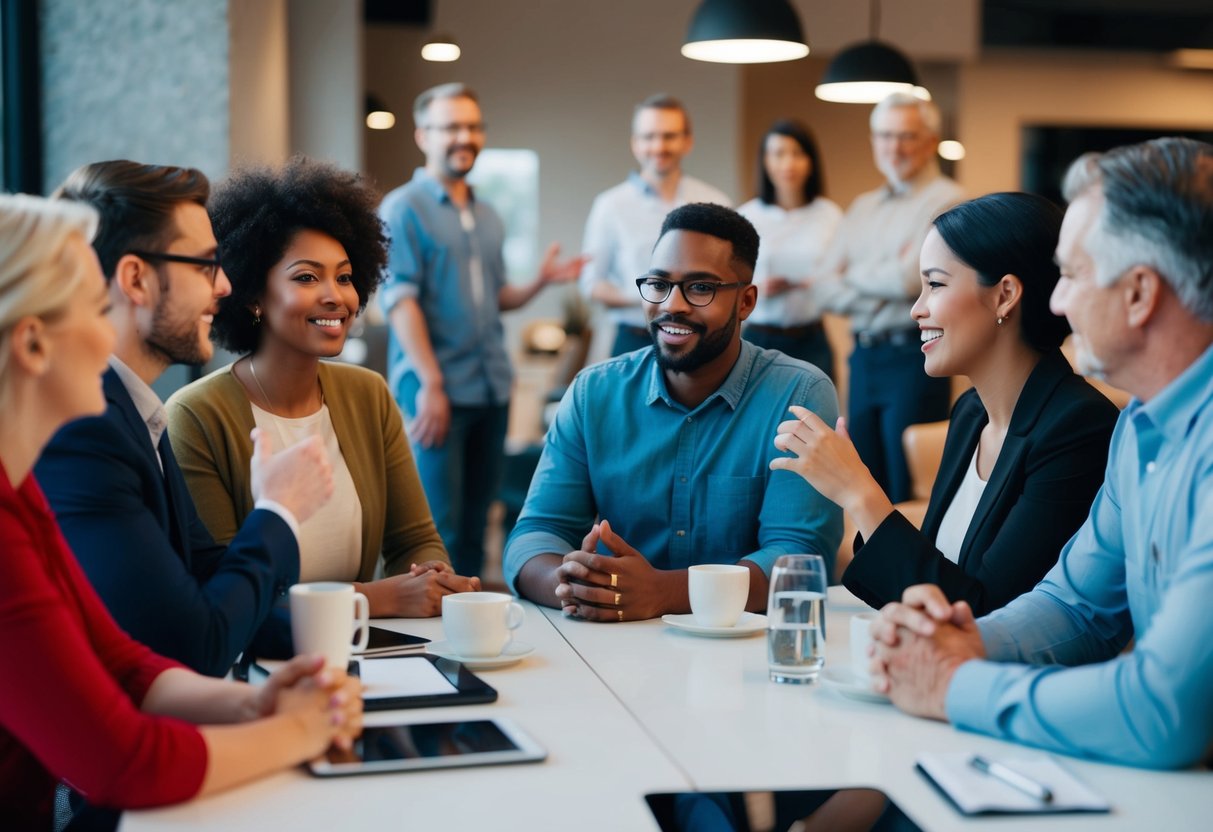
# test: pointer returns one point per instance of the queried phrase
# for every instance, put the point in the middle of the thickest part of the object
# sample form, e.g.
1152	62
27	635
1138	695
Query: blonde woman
81	702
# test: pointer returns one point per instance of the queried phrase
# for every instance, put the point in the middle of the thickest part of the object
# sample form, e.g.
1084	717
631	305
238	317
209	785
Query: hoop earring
257	315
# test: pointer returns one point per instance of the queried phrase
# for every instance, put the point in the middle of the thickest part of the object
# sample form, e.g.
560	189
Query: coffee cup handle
513	619
362	614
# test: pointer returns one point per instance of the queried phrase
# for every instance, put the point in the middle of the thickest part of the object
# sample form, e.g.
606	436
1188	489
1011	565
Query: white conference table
635	708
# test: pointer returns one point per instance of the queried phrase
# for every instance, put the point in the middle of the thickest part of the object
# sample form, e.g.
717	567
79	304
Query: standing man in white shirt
875	258
625	220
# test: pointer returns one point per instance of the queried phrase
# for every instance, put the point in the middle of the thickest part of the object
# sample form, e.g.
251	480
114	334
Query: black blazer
1045	478
145	550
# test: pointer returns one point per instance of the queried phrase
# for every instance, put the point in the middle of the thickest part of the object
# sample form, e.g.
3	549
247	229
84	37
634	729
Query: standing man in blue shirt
624	220
1136	258
655	460
445	291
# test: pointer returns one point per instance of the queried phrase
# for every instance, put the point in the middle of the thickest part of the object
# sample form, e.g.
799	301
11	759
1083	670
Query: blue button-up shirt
682	486
430	260
1142	565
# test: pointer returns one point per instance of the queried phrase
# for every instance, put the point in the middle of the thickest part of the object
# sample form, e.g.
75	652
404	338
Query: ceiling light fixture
378	116
441	48
745	32
867	72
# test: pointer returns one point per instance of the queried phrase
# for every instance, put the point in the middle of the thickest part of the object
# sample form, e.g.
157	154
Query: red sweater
71	683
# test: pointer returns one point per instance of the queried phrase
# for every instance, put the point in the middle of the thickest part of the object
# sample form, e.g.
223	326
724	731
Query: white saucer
514	652
843	680
749	624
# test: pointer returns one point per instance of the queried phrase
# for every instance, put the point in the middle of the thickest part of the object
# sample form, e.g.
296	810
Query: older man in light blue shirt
1047	670
664	447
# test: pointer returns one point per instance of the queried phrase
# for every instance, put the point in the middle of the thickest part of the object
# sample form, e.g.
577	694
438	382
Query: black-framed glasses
210	264
696	292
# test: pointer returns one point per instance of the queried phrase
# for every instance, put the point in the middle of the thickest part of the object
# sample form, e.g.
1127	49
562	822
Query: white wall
260	82
326	87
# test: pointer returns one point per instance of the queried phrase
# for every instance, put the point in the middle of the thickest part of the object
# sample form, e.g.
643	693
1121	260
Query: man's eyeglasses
475	128
696	292
210	265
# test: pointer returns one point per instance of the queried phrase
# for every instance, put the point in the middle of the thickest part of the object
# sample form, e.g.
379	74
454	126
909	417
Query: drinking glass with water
796	646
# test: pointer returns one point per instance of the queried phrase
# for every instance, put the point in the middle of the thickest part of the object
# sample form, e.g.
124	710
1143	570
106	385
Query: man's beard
174	341
457	173
711	344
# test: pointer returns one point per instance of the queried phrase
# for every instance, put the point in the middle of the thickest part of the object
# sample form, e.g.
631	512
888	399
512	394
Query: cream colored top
330	541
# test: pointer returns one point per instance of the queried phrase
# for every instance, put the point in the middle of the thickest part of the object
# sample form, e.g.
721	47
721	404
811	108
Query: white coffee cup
718	593
478	625
861	637
323	616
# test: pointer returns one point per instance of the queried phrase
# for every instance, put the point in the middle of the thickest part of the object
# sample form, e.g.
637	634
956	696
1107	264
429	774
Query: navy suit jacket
140	540
1051	465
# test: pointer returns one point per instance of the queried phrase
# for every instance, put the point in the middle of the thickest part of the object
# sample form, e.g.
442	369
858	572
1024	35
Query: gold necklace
253	369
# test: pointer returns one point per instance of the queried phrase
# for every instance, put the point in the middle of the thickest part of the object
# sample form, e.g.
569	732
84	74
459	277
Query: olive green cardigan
209	425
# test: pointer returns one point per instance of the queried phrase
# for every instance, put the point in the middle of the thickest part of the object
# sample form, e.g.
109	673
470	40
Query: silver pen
1012	778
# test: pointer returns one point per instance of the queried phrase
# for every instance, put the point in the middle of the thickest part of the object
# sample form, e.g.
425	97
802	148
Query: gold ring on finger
618	598
620	614
614	581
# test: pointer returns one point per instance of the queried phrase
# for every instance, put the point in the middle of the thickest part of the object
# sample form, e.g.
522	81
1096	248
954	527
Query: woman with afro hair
304	250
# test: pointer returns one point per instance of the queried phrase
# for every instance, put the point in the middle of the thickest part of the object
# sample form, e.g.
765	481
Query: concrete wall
260	89
138	79
326	88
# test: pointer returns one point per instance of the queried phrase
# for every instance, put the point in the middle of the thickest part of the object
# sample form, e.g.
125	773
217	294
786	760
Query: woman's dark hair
1012	233
814	185
256	213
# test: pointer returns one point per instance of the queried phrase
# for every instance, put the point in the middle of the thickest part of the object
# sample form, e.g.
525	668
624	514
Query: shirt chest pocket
733	505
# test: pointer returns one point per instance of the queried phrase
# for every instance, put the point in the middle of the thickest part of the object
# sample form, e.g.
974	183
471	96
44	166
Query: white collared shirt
792	245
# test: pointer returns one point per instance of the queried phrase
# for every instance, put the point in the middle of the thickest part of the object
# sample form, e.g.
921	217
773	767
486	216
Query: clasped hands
916	647
602	587
328	702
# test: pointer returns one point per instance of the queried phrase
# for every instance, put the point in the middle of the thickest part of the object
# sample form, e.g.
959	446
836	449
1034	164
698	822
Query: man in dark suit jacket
113	480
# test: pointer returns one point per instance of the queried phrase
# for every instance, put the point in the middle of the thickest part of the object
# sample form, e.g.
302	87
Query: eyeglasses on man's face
696	292
474	128
207	265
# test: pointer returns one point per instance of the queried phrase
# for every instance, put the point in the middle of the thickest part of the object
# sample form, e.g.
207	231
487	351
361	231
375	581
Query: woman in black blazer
1026	447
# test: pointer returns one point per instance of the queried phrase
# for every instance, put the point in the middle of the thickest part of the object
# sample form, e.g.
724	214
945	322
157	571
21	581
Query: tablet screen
433	739
415	747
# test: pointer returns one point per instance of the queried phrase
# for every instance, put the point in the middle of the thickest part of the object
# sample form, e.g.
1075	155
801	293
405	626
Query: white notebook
976	793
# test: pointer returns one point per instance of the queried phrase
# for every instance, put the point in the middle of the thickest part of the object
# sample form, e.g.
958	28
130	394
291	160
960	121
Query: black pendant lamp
870	71
745	32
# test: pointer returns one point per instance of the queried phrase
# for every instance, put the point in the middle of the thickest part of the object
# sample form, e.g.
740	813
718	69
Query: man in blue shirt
663	446
1136	285
445	291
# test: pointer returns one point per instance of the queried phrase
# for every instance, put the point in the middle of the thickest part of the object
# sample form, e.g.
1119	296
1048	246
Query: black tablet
422	681
382	641
479	742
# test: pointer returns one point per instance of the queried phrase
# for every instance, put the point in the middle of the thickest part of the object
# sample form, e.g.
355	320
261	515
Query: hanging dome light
745	32
870	71
378	116
441	48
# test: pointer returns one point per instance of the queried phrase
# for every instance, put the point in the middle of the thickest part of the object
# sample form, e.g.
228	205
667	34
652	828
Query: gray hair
1157	212
454	89
927	111
38	276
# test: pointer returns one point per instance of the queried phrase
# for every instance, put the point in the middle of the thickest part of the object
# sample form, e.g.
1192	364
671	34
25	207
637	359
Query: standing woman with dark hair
795	224
1026	447
304	250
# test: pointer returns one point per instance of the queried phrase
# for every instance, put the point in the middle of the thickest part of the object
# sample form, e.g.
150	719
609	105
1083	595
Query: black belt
890	338
800	331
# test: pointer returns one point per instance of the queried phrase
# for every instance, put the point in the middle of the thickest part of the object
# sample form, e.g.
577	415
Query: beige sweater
209	425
